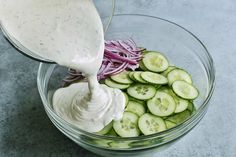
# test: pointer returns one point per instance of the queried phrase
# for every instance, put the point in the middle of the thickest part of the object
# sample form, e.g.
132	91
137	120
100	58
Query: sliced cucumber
164	89
161	95
170	68
102	81
181	104
137	77
122	144
169	124
191	107
127	126
162	104
131	75
155	61
145	52
111	133
185	90
136	108
137	100
142	66
178	74
157	86
102	143
141	92
154	78
150	124
126	98
122	78
179	117
106	129
114	84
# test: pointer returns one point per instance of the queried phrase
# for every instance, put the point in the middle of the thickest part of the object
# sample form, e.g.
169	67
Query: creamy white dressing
70	33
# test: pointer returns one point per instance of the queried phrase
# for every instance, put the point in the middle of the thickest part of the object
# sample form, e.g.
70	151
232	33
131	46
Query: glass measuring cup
105	8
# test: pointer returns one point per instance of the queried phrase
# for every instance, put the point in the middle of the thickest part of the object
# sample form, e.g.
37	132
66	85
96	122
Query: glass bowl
181	47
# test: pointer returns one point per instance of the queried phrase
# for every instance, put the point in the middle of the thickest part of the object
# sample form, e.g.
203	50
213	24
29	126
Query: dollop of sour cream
70	33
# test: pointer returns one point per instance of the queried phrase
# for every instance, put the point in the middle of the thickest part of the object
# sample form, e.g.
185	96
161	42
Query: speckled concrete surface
26	131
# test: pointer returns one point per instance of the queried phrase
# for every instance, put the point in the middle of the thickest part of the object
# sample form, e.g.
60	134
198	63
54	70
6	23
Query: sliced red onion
118	56
120	69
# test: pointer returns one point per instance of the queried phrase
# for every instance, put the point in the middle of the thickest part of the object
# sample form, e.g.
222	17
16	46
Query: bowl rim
145	137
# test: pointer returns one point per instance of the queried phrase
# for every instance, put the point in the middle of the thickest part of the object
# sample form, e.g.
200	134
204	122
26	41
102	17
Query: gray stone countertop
26	131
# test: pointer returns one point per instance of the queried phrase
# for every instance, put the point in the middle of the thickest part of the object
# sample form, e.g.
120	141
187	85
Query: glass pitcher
105	8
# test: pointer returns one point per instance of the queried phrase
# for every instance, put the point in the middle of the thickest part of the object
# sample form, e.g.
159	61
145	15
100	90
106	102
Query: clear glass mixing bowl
180	46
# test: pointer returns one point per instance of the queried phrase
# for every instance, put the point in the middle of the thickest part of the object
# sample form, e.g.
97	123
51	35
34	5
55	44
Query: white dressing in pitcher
70	33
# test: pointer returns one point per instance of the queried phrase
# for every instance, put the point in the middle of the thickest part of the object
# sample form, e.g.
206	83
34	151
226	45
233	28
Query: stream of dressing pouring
69	32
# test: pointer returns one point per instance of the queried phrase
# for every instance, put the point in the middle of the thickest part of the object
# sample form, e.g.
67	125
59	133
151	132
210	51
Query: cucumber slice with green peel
181	104
178	74
162	104
191	107
122	78
137	100
151	124
136	108
102	143
142	66
112	133
164	118
185	90
126	98
138	78
157	86
127	126
169	124
102	81
145	52
155	61
164	89
179	117
131	75
106	129
122	144
114	84
154	78
141	91
170	68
